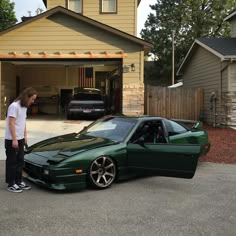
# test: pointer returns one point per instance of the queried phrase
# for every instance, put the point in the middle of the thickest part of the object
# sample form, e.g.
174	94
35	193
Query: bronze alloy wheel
102	172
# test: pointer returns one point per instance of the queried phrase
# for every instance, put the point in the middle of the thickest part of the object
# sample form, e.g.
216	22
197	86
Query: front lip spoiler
59	186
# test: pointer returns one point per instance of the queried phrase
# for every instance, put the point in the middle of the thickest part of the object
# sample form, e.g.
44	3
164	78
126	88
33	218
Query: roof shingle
224	46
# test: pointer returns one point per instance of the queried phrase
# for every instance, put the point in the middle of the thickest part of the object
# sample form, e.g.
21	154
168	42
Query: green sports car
114	148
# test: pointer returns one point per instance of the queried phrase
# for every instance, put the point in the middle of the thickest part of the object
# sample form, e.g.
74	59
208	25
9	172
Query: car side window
174	128
149	132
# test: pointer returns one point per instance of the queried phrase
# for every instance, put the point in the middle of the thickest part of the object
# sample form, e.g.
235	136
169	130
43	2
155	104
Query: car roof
141	118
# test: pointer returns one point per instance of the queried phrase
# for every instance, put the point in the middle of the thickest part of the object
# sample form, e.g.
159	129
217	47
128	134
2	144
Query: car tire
102	172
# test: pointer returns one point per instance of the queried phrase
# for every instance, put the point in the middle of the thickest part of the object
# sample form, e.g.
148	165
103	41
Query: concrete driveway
42	127
151	206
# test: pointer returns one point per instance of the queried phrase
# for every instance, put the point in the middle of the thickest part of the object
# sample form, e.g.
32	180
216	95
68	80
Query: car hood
65	146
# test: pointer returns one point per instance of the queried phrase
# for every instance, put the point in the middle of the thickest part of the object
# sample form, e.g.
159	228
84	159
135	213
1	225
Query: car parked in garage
86	102
116	147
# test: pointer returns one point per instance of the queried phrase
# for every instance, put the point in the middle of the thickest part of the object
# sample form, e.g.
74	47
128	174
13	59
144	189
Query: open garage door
55	81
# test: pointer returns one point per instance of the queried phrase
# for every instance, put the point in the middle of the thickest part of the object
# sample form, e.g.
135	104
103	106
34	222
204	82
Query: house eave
229	58
185	59
59	55
230	17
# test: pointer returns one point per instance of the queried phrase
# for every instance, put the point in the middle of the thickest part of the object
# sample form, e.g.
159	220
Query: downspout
220	89
213	99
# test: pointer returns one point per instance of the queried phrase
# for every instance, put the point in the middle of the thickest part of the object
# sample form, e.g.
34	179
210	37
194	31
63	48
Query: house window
108	6
75	5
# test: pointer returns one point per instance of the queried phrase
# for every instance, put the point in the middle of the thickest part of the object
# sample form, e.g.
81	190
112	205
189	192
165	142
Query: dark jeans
14	162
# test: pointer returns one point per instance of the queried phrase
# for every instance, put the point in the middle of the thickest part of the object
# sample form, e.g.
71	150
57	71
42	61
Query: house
211	64
76	43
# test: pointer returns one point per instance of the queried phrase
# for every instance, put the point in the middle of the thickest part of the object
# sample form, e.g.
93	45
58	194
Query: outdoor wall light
127	68
132	66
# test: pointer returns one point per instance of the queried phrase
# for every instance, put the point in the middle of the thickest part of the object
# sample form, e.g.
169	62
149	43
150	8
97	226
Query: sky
22	8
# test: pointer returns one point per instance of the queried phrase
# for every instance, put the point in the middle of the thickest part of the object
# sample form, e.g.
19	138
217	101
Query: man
16	138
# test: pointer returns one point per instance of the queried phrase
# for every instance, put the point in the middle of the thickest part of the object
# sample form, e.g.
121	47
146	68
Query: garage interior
55	81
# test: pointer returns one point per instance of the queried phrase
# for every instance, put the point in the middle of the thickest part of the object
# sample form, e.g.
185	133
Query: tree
7	14
188	19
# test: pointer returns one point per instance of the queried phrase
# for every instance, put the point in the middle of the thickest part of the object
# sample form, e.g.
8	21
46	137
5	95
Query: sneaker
23	186
14	188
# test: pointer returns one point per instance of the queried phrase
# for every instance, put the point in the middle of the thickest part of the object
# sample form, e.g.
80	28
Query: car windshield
87	94
114	128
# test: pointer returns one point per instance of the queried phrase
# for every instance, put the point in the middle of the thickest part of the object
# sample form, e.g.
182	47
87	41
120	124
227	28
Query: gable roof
224	48
230	16
60	9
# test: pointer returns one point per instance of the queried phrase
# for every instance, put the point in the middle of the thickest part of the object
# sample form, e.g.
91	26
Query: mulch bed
223	145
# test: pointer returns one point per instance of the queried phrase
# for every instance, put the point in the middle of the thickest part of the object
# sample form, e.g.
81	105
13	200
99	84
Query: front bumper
56	178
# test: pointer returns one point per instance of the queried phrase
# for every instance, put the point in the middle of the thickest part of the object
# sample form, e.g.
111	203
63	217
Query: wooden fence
178	103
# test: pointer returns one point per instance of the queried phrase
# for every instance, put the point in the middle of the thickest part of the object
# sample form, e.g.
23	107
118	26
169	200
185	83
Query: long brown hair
25	95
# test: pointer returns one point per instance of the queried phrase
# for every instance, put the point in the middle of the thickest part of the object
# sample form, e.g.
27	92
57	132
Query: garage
55	81
59	50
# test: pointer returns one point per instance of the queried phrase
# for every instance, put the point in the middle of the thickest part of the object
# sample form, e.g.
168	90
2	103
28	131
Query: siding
54	3
233	27
203	71
61	32
125	19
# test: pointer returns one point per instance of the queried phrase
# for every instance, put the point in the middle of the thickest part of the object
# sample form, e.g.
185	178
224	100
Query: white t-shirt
19	112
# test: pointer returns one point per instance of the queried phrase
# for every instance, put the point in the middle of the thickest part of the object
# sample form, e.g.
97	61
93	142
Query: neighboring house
211	64
76	43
